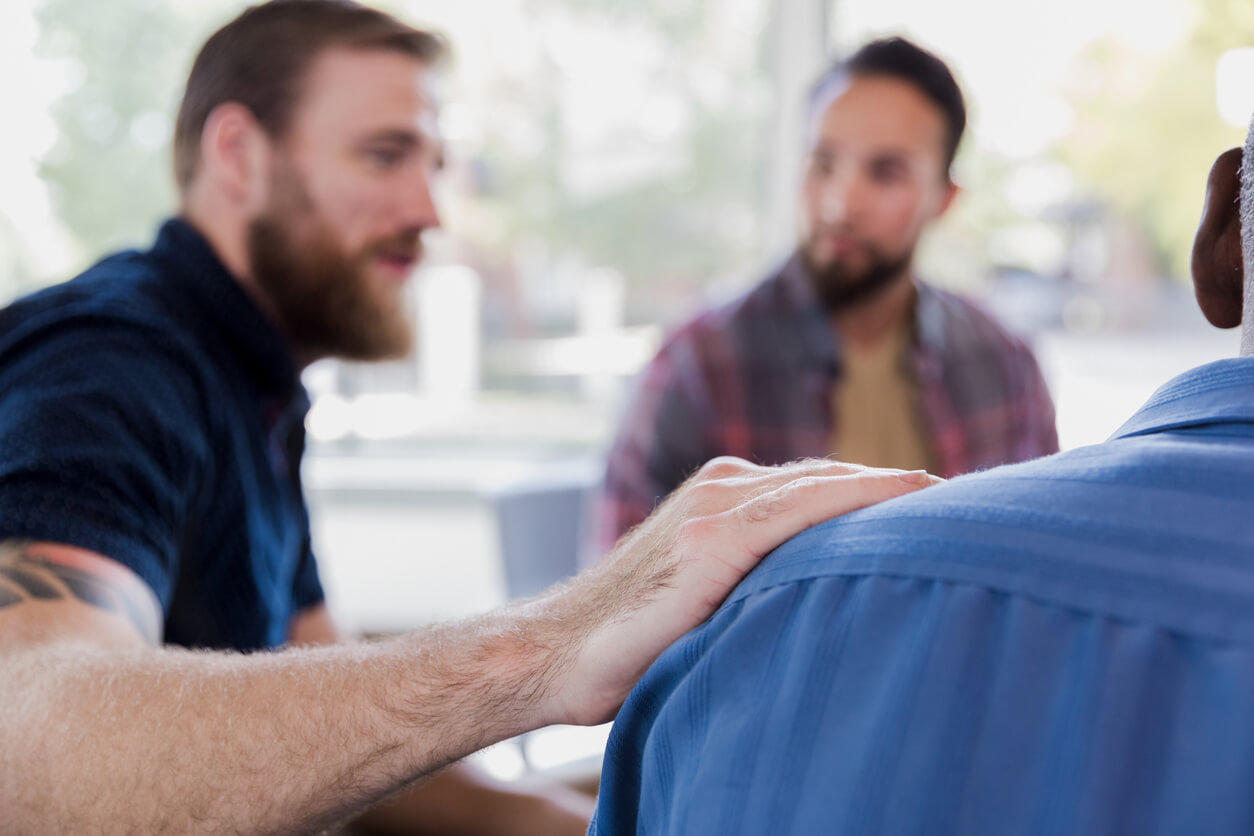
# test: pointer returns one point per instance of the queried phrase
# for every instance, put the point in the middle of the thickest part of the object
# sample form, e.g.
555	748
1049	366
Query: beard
839	285
322	295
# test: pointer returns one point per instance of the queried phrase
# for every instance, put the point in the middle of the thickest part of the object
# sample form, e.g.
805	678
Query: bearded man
843	351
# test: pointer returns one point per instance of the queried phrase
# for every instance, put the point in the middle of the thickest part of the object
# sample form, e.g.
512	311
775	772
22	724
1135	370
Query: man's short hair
898	58
260	58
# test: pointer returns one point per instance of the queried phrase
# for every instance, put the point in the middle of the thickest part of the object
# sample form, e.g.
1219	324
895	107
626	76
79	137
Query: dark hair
898	58
260	58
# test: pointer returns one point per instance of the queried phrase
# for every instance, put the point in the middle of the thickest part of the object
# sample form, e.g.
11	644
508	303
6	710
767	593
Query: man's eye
887	172
385	157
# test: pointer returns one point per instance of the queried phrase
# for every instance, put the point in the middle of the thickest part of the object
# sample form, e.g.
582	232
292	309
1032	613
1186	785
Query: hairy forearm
94	738
167	740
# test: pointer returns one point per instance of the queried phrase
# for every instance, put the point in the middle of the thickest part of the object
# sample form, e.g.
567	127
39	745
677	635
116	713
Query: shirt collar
803	311
218	296
929	320
1216	393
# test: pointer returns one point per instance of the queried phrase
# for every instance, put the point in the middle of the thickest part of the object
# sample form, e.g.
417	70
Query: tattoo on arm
29	573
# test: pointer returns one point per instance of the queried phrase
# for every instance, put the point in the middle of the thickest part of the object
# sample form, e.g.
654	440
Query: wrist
493	677
541	643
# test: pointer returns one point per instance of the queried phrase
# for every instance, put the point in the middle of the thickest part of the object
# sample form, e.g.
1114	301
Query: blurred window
617	164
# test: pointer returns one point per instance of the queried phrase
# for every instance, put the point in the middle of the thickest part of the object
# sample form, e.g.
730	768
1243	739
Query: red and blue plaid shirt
755	378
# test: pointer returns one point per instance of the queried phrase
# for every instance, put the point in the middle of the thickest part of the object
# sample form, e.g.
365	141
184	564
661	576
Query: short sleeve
307	586
103	440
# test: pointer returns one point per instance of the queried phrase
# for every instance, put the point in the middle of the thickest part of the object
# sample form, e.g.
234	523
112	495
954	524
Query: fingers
772	517
726	468
742	511
726	482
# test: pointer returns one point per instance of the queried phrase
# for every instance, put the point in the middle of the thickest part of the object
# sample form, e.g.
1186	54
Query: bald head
1247	241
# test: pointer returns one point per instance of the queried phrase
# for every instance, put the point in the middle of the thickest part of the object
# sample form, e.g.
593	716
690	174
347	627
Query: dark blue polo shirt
149	412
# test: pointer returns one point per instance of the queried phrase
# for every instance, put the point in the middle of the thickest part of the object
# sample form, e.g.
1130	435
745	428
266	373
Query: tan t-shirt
876	406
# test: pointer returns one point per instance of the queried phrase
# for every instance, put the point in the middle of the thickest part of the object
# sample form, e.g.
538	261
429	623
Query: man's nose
417	202
840	197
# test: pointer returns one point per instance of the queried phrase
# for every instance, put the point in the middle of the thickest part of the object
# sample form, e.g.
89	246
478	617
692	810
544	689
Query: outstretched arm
102	728
459	800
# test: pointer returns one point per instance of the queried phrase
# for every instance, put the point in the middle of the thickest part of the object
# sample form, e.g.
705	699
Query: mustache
405	244
840	230
838	288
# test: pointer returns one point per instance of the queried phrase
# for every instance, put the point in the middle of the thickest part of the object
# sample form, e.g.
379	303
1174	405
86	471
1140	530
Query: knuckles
714	495
696	533
722	467
779	501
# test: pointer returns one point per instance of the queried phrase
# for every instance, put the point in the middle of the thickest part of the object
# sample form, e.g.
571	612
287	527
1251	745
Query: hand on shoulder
673	571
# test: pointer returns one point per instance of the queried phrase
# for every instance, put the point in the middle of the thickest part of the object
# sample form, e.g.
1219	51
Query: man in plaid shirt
843	351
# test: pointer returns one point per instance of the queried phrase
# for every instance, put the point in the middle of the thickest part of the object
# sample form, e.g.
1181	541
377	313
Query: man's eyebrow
407	140
896	153
393	136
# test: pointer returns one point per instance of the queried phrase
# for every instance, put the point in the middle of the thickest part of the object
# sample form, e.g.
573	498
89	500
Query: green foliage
684	224
680	225
1148	130
109	173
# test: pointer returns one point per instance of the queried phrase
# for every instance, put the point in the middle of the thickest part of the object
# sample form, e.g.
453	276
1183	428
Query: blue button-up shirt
1063	646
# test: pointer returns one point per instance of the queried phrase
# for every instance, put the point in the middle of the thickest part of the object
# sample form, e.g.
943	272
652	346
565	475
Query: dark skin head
1218	271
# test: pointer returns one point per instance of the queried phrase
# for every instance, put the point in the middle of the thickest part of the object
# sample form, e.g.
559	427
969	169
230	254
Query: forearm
458	799
149	740
165	740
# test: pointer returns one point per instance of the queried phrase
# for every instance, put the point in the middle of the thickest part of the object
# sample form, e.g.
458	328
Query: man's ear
952	190
1218	272
235	156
